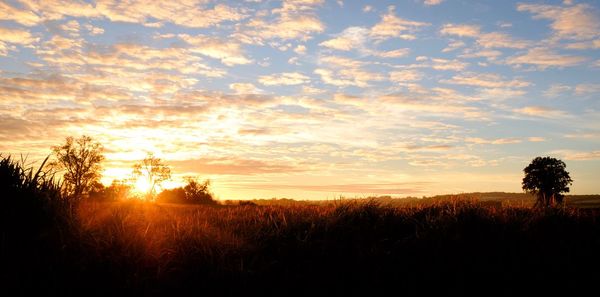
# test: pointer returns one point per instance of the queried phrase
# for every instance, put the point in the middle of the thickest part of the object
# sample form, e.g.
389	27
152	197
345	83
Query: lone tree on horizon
546	178
80	159
153	172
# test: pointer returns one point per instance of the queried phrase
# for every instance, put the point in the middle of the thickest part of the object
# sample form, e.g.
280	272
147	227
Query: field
457	247
453	245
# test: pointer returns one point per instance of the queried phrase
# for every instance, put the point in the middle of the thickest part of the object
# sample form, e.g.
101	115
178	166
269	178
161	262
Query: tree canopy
153	172
547	178
80	159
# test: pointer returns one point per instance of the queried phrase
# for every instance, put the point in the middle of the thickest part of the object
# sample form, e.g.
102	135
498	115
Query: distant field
487	198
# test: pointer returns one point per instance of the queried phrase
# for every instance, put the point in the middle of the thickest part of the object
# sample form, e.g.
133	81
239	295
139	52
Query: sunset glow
309	99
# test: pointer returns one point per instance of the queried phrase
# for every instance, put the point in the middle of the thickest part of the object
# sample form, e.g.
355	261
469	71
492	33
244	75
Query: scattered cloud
244	88
406	75
477	140
351	38
556	90
192	13
392	26
294	20
576	22
485	40
343	72
573	155
486	80
541	111
286	78
544	58
228	52
432	2
536	139
584	89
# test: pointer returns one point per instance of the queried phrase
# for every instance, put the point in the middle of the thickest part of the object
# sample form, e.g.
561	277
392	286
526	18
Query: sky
309	99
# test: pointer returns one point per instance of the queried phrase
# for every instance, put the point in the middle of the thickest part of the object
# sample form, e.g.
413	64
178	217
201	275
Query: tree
193	192
80	159
547	178
196	192
153	172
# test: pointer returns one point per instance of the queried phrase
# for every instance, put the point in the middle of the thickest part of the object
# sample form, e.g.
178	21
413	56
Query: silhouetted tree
176	195
546	178
80	159
154	171
118	190
196	192
193	192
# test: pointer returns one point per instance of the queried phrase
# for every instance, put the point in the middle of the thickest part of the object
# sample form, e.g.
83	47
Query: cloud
286	78
344	72
392	26
572	155
17	36
14	36
430	105
556	90
501	40
351	38
454	45
536	139
485	40
359	38
477	140
227	51
294	20
300	49
584	89
462	30
490	55
405	75
541	111
397	53
485	80
366	188
437	64
21	16
244	88
233	166
432	2
544	58
191	13
576	22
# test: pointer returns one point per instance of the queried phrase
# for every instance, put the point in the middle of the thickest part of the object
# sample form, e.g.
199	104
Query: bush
192	193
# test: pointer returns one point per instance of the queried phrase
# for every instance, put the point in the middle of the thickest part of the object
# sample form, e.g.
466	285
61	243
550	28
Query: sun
142	186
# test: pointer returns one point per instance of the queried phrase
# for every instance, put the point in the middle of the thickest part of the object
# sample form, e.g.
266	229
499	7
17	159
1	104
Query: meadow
455	245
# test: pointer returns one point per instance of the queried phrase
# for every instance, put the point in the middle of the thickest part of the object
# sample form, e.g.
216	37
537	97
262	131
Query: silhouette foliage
193	192
80	159
154	171
547	178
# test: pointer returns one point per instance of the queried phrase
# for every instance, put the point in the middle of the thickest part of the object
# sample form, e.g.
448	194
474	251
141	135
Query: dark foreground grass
453	247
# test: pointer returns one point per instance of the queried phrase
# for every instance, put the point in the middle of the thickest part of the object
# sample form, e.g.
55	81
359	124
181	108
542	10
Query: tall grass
454	246
37	222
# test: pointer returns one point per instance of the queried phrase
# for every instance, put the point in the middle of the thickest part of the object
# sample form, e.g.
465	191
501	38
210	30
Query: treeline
193	192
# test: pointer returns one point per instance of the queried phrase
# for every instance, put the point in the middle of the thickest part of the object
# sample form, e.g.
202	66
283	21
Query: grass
453	246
